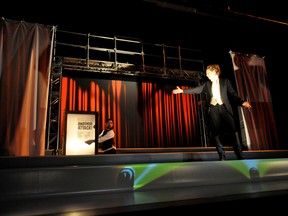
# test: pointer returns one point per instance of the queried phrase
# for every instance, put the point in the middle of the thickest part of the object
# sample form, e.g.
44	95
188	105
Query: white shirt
216	98
110	134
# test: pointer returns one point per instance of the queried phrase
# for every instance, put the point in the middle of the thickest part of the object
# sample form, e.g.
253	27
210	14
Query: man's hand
247	105
178	90
89	142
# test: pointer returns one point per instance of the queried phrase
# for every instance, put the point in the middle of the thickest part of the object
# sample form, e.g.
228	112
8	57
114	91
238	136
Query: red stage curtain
145	114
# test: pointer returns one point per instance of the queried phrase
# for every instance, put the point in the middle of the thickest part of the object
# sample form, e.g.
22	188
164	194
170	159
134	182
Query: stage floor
141	183
205	199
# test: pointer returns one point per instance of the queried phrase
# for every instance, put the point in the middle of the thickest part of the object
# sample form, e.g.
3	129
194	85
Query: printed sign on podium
80	127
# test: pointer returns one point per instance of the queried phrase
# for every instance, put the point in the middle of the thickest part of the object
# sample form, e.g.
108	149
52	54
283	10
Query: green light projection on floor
252	169
256	168
146	173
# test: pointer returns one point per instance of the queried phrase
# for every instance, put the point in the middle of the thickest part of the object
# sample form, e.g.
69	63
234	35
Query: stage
138	180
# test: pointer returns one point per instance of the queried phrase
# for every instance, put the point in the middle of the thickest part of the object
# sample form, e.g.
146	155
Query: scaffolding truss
116	55
92	53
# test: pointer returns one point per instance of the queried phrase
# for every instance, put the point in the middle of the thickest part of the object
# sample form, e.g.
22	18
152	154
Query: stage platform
139	181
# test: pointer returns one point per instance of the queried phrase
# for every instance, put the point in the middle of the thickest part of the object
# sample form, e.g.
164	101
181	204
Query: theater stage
138	181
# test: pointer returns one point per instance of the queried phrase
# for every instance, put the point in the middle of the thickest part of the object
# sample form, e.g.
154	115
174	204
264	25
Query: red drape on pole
252	83
25	63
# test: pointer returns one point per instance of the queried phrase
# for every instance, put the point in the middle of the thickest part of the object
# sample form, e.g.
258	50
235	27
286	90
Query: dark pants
222	121
111	151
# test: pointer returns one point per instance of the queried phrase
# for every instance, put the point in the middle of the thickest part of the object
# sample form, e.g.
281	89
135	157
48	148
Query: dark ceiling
54	13
221	23
271	10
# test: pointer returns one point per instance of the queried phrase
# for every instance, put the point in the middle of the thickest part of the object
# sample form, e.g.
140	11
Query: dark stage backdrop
145	114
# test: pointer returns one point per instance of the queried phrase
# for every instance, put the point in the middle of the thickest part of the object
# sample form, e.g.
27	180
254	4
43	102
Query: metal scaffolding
117	55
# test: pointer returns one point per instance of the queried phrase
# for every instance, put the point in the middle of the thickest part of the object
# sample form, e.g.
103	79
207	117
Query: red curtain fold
24	86
252	83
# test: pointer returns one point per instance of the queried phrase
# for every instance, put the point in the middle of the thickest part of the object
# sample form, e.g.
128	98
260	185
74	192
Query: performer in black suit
106	138
219	92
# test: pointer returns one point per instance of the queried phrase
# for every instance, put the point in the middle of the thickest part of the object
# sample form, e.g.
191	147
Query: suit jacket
226	90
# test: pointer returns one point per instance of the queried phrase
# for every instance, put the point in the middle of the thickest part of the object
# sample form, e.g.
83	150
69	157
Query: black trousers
222	121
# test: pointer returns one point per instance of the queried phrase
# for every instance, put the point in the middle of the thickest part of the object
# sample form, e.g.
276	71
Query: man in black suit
106	138
219	92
